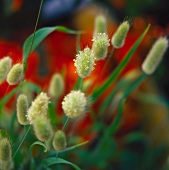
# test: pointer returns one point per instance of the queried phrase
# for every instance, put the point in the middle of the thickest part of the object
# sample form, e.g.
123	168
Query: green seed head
84	62
74	104
100	25
15	74
22	108
6	165
5	150
39	107
42	128
155	55
59	140
119	37
5	66
56	86
4	134
100	46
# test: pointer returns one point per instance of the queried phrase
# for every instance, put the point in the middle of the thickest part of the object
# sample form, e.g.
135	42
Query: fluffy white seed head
56	86
5	66
119	36
84	62
100	45
22	109
15	74
100	25
155	55
39	107
74	104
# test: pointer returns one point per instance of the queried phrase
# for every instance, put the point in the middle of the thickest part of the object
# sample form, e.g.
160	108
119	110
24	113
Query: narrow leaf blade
55	160
38	143
40	35
120	67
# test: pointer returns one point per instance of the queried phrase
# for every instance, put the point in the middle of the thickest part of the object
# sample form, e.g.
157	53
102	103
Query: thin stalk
80	83
106	63
65	123
21	142
36	24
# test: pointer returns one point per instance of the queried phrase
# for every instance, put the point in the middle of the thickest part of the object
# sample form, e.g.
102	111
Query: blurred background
142	142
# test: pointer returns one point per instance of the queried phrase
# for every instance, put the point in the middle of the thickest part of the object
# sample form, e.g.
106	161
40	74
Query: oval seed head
5	66
59	140
22	109
15	74
5	150
42	128
100	46
56	86
155	55
100	25
74	104
84	62
6	165
39	107
119	37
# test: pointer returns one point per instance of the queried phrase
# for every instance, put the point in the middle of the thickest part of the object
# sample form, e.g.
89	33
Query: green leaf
116	122
55	160
10	94
33	165
133	85
73	147
68	149
152	98
109	99
34	87
38	143
128	88
135	137
52	115
111	129
97	93
78	84
40	35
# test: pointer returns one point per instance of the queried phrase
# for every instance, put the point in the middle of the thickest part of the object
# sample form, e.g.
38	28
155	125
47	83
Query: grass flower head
74	104
84	62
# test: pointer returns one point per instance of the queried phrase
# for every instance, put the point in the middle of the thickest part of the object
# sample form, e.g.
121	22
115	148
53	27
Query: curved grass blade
116	123
55	160
30	149
109	99
32	86
33	163
97	93
128	89
134	85
73	147
153	98
39	36
38	143
135	137
10	94
113	127
68	149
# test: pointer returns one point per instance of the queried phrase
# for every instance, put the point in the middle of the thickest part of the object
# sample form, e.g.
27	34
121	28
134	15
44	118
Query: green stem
31	45
106	64
65	123
21	142
80	83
